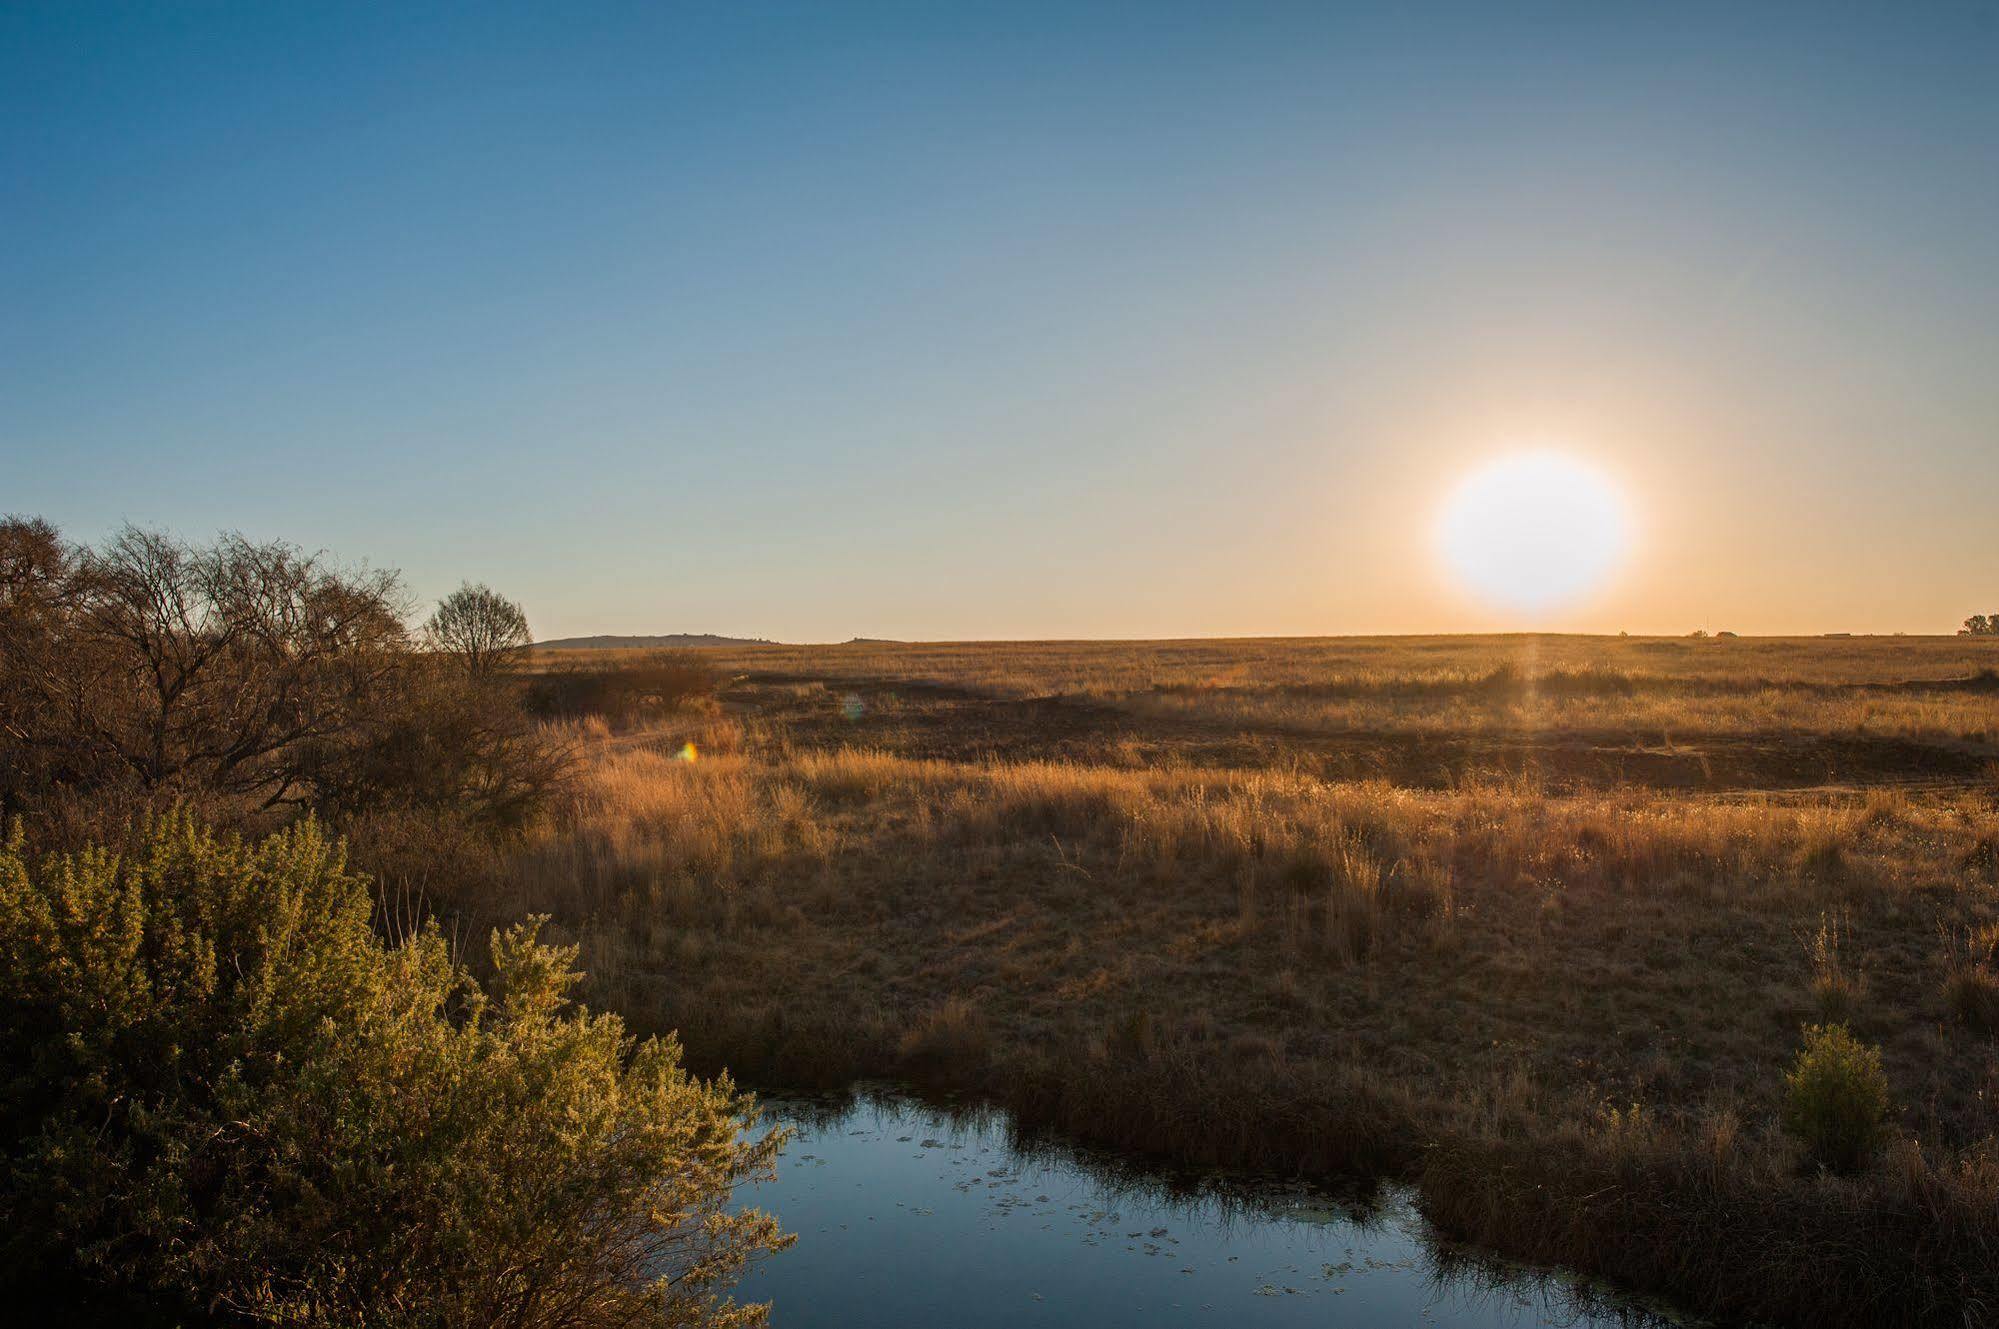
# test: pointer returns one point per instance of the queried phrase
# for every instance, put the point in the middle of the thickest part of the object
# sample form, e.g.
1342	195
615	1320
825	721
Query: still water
907	1217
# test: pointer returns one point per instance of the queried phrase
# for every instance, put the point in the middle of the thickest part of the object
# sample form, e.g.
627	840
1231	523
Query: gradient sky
958	321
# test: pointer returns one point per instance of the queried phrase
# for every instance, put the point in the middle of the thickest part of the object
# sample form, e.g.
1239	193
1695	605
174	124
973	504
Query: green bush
227	1100
1836	1098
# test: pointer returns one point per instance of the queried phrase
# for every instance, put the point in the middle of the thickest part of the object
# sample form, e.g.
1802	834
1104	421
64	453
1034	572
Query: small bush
1836	1098
226	1099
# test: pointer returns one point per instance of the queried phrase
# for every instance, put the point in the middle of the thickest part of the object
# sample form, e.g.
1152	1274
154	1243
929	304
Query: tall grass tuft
1971	976
1836	987
1353	901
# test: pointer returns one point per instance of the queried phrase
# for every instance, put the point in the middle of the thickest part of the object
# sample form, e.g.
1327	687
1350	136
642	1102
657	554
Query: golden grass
1659	711
1563	1011
1264	902
1111	668
1260	967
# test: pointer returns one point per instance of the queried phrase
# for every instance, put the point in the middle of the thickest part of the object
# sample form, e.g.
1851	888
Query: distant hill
672	640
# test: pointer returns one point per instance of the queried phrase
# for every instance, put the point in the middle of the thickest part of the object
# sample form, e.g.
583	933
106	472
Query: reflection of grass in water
1222	1202
1477	1278
1221	1197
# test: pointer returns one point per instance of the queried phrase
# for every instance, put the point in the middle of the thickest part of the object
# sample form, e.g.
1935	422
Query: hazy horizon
751	639
1022	322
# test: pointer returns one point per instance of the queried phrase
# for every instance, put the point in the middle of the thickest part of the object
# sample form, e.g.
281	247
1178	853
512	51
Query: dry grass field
1535	923
1707	713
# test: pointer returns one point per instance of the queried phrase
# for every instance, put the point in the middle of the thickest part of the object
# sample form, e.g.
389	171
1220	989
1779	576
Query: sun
1534	531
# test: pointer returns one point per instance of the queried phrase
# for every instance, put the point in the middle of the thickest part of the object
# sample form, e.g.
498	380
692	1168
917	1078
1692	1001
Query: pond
906	1215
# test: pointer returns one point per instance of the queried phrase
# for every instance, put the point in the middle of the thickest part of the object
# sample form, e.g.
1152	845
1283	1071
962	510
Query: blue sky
1021	320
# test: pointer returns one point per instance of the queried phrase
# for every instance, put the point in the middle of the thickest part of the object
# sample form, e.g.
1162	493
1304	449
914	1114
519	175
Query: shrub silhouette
1836	1098
224	1097
482	629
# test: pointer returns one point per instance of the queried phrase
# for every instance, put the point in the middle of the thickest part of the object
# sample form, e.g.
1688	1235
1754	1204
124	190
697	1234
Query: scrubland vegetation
1676	961
242	1085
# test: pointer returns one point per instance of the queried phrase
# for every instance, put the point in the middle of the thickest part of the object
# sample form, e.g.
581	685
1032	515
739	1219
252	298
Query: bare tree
484	629
38	588
150	670
161	665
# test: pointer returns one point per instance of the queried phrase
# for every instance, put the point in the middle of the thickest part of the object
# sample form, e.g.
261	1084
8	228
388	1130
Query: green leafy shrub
1836	1098
226	1099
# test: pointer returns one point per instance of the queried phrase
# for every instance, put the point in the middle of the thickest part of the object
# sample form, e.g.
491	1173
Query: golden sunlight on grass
1411	907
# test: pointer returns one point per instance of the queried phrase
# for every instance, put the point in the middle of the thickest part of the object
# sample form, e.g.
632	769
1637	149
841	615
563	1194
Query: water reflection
908	1215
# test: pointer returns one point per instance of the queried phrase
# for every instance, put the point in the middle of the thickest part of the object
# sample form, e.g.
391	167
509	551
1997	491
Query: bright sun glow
1534	531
